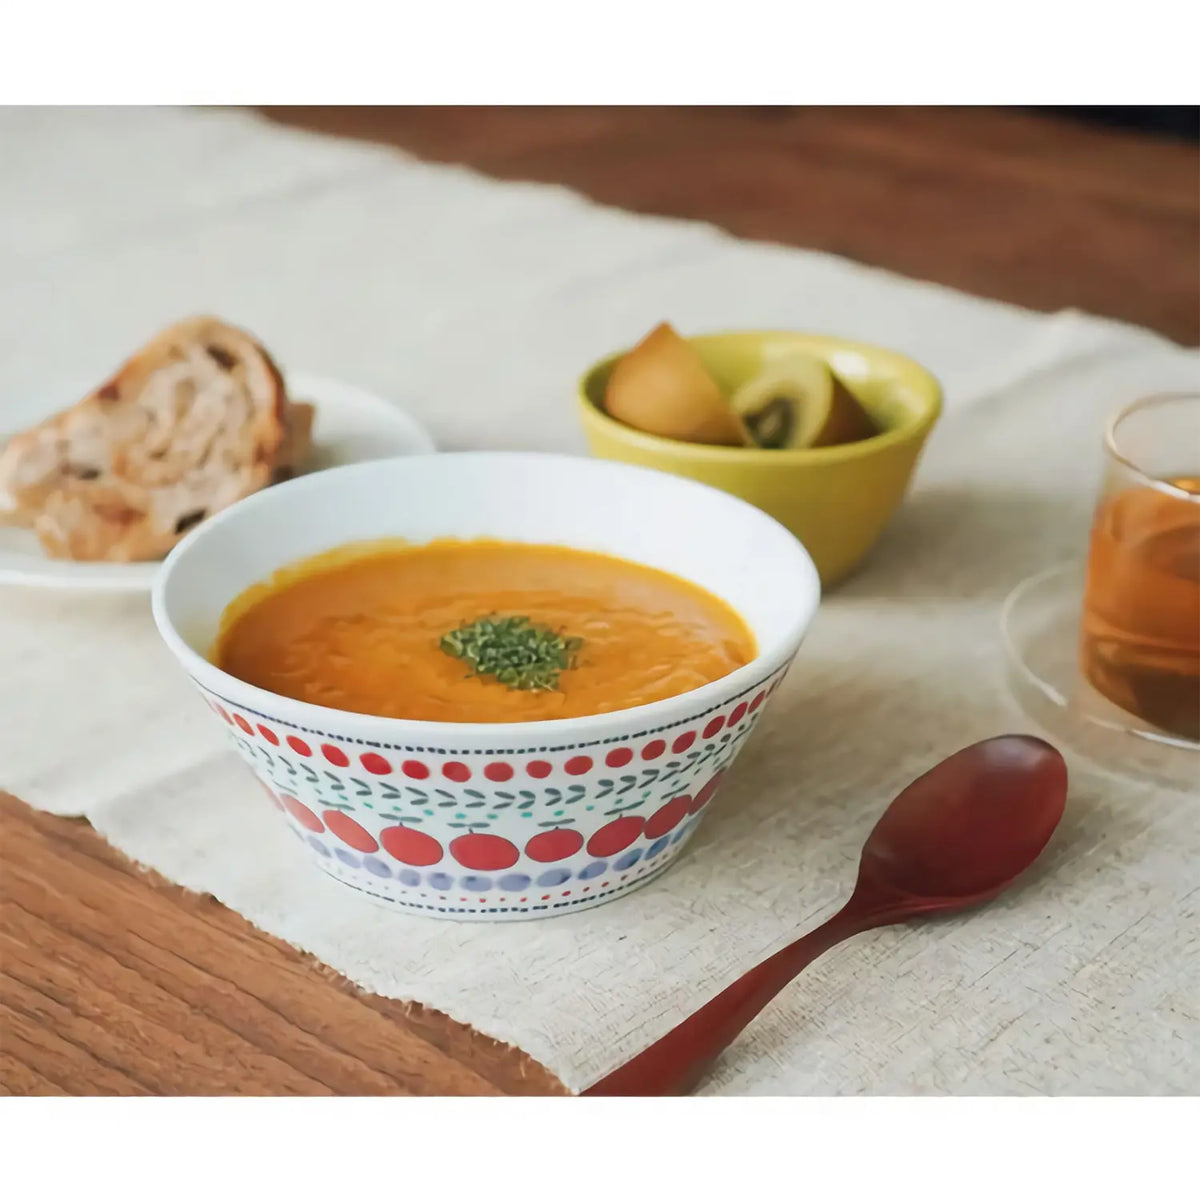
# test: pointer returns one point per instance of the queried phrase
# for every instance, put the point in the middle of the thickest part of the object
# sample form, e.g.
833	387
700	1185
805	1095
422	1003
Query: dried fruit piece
662	386
799	404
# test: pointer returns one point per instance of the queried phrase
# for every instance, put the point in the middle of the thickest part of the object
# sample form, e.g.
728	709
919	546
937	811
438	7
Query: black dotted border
481	911
627	737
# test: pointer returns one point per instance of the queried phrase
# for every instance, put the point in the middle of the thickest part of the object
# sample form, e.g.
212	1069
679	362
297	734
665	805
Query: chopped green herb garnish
513	651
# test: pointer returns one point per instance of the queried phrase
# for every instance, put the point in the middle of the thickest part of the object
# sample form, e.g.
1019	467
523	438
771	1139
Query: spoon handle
674	1064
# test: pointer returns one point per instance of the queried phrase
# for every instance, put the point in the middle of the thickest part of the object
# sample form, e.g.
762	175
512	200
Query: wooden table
114	982
1040	211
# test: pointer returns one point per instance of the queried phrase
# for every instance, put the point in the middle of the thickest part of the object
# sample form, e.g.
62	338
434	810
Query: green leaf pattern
677	777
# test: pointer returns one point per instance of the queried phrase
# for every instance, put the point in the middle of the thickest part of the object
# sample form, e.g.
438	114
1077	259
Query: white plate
351	426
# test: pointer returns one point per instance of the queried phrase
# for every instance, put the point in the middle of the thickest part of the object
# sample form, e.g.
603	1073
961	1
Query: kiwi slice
799	404
662	386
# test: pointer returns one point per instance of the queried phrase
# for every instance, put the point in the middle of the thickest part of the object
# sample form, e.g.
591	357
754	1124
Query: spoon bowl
965	830
954	837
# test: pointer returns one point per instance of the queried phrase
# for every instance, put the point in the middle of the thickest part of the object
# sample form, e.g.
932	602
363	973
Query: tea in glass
1140	645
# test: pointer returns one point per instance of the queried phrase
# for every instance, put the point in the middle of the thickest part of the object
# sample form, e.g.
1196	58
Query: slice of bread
297	445
193	422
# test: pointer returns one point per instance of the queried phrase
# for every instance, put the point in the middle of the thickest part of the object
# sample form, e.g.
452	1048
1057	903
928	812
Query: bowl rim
925	383
388	731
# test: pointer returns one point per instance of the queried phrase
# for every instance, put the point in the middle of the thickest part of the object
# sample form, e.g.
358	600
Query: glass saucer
1040	628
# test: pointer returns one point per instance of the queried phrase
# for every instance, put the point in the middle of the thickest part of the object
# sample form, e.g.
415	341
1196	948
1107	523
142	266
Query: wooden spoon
958	835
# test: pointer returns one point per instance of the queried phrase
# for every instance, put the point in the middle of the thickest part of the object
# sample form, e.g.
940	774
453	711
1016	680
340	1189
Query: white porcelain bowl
494	821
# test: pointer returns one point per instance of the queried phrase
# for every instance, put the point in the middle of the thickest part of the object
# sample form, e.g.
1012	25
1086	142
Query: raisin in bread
193	422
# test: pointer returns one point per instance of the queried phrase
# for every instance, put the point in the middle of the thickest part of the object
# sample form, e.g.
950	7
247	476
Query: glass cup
1139	640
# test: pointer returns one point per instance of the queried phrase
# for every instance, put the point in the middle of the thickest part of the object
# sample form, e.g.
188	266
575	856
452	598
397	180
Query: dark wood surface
114	982
1036	210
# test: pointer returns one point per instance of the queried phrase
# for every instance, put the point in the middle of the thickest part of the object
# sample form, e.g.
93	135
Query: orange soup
478	631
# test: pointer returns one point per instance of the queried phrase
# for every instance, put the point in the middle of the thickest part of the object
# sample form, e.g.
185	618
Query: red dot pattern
334	755
497	772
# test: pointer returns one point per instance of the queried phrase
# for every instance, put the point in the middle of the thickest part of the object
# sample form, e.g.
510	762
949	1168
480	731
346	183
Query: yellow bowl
836	499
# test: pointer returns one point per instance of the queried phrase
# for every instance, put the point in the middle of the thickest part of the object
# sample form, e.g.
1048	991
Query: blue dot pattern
514	882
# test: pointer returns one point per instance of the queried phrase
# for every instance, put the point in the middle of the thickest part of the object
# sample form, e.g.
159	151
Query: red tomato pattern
303	814
489	852
668	816
484	852
554	844
274	798
411	846
615	836
705	794
350	831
